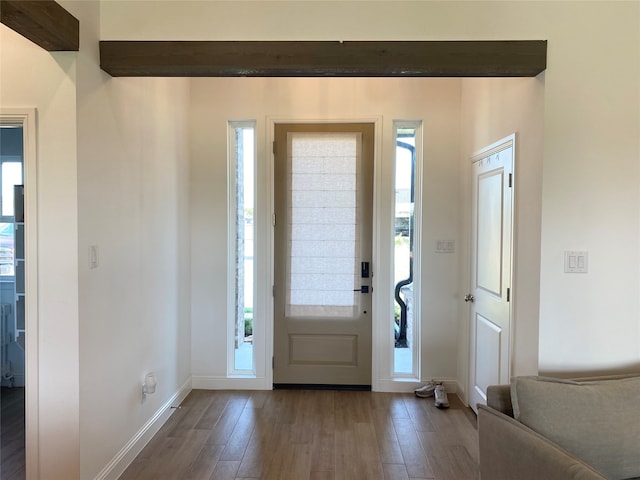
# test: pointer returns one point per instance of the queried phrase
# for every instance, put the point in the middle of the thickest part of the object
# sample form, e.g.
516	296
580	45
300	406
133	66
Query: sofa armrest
511	451
499	398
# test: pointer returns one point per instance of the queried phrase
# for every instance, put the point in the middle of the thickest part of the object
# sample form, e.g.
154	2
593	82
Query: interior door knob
469	298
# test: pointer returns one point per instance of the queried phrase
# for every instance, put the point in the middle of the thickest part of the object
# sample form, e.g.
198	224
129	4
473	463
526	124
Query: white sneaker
426	390
441	397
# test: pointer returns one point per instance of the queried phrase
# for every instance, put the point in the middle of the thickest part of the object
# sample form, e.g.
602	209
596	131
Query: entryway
323	189
13	289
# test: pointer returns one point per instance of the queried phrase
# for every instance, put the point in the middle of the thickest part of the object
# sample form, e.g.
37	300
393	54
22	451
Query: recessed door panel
487	343
323	349
490	238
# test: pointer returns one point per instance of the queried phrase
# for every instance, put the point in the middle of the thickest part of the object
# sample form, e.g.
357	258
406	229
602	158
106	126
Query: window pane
7	256
404	325
243	151
11	175
322	234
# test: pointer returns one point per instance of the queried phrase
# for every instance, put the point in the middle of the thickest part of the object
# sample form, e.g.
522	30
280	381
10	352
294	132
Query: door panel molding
487	365
489	233
323	349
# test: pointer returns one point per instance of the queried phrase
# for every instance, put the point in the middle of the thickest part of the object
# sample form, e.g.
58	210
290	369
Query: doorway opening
19	293
12	302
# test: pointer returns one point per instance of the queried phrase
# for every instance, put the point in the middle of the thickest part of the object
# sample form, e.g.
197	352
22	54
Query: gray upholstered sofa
542	428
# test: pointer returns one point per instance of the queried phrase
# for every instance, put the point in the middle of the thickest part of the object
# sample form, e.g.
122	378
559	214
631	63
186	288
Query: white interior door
491	255
322	235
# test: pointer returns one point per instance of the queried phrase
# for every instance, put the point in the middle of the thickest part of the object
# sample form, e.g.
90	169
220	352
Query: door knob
469	298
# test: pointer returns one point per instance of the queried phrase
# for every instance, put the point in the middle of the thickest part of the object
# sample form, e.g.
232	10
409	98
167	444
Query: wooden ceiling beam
45	22
521	58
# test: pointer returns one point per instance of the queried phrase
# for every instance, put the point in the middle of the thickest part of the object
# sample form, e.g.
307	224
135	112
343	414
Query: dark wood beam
44	22
318	59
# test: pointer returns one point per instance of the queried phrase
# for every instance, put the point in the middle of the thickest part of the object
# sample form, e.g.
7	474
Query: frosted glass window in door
323	230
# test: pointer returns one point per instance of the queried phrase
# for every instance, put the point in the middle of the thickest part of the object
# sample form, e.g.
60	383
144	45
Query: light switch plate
576	261
445	246
93	256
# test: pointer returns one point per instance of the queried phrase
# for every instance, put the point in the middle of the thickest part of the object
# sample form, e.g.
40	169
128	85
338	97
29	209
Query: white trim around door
26	117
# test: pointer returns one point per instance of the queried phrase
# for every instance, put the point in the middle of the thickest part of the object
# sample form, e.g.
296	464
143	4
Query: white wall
23	65
590	153
492	109
590	182
591	322
133	175
591	125
113	171
215	101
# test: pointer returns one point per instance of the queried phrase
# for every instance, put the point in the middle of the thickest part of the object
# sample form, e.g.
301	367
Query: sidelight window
242	160
406	293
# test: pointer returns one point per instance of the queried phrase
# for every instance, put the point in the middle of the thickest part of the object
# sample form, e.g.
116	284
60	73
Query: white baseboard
253	383
128	453
462	394
230	383
405	386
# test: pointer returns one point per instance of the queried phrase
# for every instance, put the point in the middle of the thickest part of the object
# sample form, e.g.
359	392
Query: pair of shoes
441	396
427	390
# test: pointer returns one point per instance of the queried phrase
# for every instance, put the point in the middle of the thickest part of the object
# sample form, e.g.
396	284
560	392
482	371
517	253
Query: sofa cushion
598	421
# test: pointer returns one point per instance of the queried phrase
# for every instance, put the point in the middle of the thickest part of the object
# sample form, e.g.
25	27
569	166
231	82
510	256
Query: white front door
491	254
323	243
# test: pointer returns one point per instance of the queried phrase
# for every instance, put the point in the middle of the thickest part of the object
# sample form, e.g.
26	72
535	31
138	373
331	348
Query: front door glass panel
323	238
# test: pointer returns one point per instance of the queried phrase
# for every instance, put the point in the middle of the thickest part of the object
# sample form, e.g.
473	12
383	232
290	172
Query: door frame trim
264	297
27	117
499	145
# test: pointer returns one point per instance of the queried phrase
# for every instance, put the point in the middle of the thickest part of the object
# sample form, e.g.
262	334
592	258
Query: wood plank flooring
12	434
311	434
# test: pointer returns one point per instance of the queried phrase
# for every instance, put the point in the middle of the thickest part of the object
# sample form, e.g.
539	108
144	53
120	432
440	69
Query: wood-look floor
12	434
311	434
